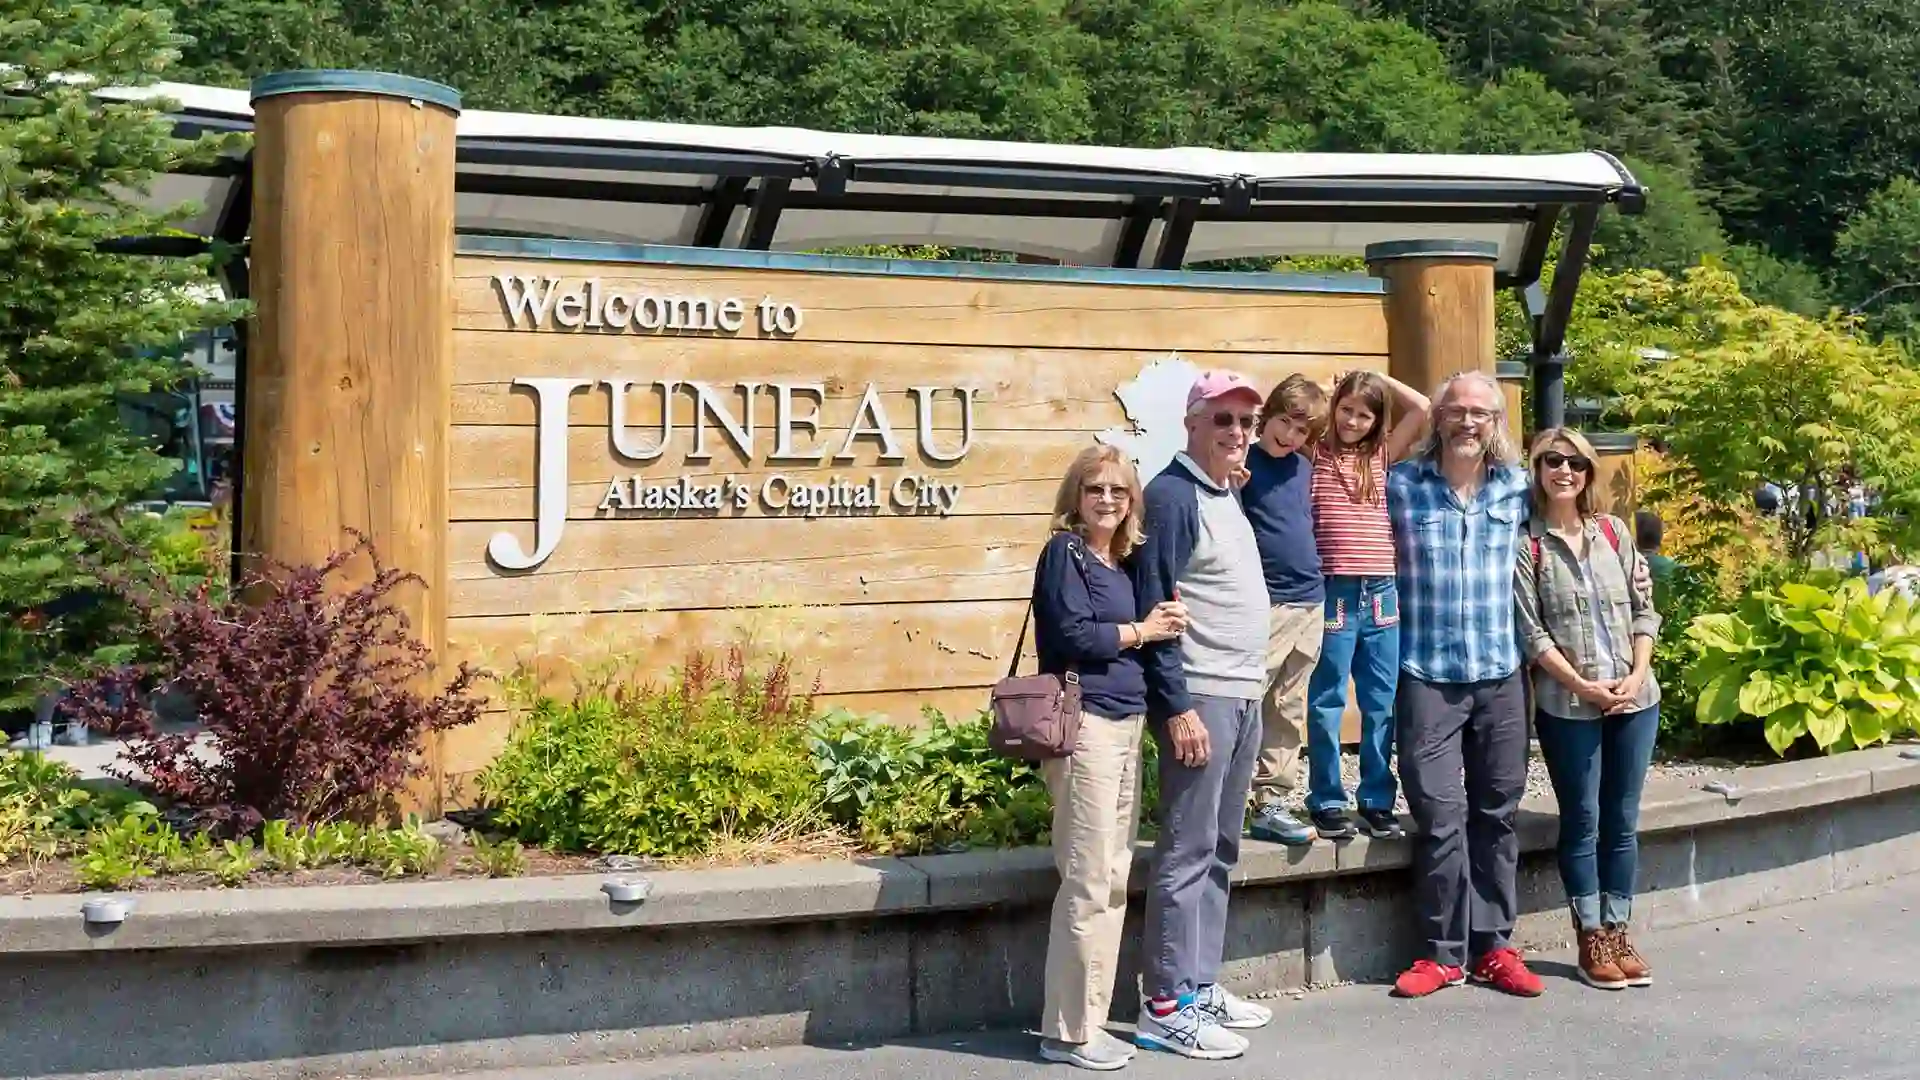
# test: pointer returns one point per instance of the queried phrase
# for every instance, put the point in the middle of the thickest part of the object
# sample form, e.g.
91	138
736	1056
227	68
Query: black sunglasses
1554	459
1227	420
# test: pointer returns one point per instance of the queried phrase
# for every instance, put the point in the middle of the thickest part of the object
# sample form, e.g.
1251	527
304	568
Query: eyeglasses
1226	420
1113	492
1458	414
1554	459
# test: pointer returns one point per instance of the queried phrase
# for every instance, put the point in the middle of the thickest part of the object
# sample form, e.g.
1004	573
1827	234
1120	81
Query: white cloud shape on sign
1155	402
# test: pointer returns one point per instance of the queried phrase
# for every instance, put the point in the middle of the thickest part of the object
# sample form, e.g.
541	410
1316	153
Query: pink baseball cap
1218	384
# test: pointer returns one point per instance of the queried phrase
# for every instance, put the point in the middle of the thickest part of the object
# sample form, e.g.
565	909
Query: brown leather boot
1627	959
1597	965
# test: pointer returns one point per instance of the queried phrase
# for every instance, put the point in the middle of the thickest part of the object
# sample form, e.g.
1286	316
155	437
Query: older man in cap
1203	706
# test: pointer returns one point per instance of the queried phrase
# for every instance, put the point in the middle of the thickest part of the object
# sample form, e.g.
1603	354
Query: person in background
1278	499
1648	532
1457	511
1203	708
1590	636
1362	607
1085	622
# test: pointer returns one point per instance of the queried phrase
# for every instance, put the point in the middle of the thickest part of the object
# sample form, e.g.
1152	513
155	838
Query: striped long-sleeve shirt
1456	571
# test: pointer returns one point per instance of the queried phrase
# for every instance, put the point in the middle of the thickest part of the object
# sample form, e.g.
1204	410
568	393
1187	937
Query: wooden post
348	389
1439	308
1513	384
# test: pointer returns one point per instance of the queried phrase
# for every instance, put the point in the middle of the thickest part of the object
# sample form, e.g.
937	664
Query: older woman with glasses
1589	629
1086	621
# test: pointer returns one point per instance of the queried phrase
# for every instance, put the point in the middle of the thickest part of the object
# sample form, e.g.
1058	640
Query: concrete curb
340	915
404	979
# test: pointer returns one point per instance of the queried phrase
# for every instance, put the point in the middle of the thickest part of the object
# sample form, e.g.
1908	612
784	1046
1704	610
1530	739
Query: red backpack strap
1534	543
1606	526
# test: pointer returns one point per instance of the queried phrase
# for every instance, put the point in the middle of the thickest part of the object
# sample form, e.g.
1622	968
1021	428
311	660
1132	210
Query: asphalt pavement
1823	990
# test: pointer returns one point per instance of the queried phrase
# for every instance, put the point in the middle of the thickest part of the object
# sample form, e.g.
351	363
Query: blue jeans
1598	768
1362	642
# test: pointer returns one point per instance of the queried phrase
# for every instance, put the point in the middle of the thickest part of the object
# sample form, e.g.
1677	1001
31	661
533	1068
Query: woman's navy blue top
1079	603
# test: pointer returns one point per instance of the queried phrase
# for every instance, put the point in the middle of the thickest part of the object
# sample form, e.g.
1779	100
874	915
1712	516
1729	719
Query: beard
1466	444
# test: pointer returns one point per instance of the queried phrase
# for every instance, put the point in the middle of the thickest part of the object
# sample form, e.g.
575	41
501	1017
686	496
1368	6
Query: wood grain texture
349	363
855	648
1440	319
1019	388
1614	484
683	564
941	311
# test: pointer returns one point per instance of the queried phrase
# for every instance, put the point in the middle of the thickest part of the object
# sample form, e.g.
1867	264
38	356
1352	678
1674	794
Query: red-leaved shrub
308	695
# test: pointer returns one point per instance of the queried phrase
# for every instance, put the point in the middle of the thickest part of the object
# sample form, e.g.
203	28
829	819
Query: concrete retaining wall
393	979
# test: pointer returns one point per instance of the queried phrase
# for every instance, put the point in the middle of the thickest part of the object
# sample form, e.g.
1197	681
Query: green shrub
659	771
937	788
1833	663
1686	595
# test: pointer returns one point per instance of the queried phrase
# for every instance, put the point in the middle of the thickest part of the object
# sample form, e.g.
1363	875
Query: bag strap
1021	644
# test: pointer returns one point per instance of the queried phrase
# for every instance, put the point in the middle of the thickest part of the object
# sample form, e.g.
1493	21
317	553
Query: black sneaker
1332	823
1381	824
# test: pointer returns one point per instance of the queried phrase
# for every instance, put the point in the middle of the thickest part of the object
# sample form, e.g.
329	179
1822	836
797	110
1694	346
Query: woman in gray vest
1589	633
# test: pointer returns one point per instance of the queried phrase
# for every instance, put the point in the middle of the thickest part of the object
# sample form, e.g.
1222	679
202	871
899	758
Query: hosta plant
1833	663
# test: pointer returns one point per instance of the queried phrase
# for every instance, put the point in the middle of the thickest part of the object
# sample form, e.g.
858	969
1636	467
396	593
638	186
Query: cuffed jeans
1598	768
1463	759
1096	807
1202	811
1361	641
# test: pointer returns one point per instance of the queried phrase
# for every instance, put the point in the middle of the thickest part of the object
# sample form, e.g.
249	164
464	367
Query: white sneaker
1101	1052
1188	1032
1229	1010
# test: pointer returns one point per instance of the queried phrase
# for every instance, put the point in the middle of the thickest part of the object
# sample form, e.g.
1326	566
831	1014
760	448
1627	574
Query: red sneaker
1426	977
1503	970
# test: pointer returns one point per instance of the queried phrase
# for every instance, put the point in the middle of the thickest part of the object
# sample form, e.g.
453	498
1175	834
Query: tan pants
1096	808
1293	650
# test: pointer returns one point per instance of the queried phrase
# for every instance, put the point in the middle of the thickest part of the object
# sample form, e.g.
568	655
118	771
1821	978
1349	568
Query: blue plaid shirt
1455	566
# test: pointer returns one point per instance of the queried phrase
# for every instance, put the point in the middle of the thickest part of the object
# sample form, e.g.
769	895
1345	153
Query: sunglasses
1554	459
1116	492
1227	420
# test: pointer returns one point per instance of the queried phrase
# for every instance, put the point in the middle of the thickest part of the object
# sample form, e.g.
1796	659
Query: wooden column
348	391
1439	307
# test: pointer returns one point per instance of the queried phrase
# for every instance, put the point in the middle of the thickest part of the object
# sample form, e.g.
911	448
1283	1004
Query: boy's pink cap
1218	384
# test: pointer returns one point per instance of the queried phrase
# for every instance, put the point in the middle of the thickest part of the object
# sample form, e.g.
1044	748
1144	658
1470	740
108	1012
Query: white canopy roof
793	189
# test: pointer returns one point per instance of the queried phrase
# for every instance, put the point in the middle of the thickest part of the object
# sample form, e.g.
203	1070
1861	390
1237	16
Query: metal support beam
764	219
1176	233
161	247
1549	360
1133	231
728	192
236	220
1533	257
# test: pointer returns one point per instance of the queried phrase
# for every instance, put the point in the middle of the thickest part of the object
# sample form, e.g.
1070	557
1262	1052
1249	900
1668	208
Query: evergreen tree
80	326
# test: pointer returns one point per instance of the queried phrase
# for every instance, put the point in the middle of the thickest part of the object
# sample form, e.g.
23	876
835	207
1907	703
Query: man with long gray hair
1457	510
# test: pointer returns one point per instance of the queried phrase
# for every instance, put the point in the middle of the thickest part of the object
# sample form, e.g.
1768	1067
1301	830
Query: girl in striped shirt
1362	637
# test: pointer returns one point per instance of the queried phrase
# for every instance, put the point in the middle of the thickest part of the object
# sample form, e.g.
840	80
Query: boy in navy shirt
1278	496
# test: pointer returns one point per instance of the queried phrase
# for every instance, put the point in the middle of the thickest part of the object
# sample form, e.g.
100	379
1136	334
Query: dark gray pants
1463	762
1202	811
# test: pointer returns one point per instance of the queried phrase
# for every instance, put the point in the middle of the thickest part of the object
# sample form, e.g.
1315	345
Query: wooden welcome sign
583	447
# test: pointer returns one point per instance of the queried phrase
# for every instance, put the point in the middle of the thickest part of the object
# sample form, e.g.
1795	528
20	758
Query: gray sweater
1199	540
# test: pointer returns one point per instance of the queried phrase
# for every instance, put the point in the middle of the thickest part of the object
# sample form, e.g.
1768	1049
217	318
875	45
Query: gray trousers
1202	811
1463	762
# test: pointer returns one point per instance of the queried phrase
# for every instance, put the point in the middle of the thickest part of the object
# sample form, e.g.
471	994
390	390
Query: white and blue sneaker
1229	1010
1188	1032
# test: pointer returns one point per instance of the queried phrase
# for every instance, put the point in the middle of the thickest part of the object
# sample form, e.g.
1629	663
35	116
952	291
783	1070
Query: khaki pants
1096	808
1293	649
